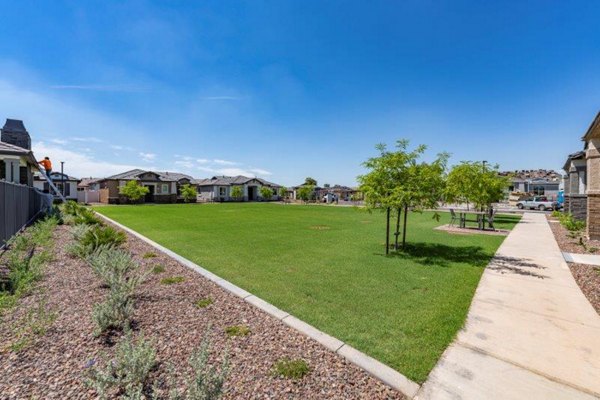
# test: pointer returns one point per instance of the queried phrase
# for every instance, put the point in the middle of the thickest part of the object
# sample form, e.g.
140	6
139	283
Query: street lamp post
62	177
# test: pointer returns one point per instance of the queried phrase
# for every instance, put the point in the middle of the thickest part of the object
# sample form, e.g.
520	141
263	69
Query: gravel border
586	276
54	366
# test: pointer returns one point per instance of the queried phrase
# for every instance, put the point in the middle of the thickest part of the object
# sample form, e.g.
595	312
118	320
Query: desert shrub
207	381
158	269
203	303
71	207
172	280
556	214
115	312
127	372
99	236
570	223
291	369
149	254
35	323
237	330
114	267
87	216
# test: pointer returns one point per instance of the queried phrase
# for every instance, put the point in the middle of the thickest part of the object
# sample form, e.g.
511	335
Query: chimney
14	132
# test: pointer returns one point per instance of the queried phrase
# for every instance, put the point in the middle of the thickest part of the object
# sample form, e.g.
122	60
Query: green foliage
133	191
236	192
207	381
237	330
283	192
266	192
291	369
189	193
306	192
115	268
570	223
556	214
149	254
310	182
127	372
203	303
475	183
101	236
86	216
115	312
158	269
172	280
35	323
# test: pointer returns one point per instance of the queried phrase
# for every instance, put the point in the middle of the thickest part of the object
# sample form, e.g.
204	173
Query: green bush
172	280
203	303
149	254
556	214
133	191
158	269
237	330
570	223
189	193
207	381
115	312
102	236
115	268
291	369
127	372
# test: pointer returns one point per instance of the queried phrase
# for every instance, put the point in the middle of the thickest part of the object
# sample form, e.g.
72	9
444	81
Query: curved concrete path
530	332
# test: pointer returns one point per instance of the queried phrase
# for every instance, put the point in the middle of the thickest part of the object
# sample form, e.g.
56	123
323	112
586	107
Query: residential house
218	188
539	182
66	184
17	163
575	196
164	187
582	181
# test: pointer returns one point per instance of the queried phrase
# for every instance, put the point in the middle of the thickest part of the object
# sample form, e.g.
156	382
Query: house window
23	176
165	188
538	190
581	182
222	191
2	170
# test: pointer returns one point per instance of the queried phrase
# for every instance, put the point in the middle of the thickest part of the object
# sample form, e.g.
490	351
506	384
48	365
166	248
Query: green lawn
326	265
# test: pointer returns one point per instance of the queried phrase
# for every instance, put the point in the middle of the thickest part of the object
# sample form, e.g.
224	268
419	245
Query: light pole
62	177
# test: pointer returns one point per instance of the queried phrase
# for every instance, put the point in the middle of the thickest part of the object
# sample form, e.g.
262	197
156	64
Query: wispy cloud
89	139
59	141
224	162
147	156
101	88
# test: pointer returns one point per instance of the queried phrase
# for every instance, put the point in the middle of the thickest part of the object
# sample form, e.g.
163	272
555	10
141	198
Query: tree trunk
397	228
387	232
404	229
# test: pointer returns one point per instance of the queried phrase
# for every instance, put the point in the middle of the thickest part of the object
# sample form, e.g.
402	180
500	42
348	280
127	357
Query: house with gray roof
164	187
17	162
66	184
218	188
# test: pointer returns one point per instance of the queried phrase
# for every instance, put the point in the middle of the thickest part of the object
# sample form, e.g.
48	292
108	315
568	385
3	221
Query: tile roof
55	176
231	180
165	176
7	148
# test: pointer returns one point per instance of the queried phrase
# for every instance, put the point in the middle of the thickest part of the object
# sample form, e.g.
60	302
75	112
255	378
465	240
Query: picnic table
480	218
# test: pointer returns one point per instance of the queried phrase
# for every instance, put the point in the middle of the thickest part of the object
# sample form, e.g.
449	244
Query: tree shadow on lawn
441	255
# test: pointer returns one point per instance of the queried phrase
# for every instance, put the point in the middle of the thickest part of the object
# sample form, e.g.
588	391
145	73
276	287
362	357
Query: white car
537	203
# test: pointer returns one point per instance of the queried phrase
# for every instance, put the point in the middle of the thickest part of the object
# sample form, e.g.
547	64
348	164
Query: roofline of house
593	126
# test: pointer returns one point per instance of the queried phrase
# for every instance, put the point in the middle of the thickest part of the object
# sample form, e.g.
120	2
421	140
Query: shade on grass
327	266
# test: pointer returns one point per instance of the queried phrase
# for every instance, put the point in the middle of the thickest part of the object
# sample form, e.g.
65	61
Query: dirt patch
471	231
54	366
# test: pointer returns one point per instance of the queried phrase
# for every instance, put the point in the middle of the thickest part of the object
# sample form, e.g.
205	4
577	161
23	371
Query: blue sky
289	89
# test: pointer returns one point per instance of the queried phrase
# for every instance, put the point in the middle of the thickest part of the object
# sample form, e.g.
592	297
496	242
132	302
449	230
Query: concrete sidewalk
530	332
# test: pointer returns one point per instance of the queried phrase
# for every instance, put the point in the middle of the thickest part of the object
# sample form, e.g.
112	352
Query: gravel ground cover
53	367
586	276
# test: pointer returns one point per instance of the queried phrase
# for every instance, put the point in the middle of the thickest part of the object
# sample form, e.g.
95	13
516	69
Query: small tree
305	192
189	193
283	192
237	192
475	183
396	182
266	192
310	182
133	191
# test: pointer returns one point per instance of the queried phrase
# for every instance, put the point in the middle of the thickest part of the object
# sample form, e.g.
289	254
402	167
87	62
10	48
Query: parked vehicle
329	198
538	203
